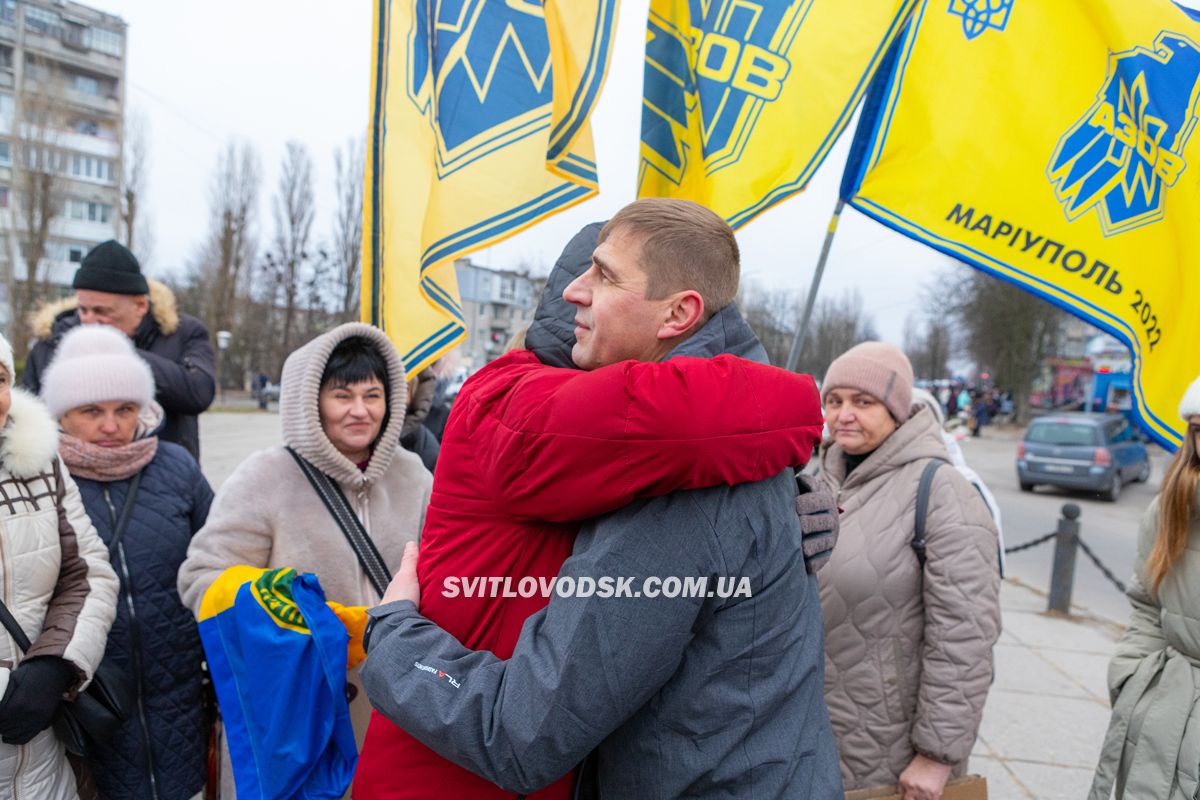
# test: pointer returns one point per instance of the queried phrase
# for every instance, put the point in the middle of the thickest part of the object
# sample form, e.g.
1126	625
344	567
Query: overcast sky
267	72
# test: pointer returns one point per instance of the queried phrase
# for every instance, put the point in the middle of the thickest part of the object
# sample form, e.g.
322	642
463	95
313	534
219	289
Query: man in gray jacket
678	696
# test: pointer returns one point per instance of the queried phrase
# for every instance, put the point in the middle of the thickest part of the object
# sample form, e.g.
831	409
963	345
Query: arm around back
569	444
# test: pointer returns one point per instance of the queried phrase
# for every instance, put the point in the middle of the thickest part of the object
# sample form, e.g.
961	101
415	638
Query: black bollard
1062	575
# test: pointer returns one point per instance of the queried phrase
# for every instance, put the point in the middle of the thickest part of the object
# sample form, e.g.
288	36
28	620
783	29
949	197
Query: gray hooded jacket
699	697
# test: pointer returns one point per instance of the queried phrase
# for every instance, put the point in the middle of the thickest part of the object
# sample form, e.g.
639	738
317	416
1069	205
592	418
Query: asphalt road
1110	529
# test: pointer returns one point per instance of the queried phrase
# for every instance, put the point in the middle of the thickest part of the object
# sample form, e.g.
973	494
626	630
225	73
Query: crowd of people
635	434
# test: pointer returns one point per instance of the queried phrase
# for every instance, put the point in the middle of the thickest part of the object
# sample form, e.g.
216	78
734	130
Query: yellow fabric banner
744	98
479	129
1050	144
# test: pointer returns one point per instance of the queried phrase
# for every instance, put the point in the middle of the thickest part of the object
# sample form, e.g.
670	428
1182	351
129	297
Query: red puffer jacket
531	450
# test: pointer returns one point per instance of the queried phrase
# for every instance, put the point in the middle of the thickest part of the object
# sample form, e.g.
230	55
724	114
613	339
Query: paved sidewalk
1048	708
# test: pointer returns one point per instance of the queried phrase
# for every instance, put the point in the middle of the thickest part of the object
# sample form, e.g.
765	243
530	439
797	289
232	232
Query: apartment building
497	304
62	98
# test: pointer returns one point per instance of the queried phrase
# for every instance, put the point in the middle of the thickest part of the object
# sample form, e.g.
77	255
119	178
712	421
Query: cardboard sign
972	787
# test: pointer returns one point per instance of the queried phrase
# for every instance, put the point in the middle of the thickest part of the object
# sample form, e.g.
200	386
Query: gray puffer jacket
1152	748
908	657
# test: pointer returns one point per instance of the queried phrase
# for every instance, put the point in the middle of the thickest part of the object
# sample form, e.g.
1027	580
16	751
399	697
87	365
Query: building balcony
105	105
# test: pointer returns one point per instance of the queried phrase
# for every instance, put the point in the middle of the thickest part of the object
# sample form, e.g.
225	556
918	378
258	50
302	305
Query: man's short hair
683	245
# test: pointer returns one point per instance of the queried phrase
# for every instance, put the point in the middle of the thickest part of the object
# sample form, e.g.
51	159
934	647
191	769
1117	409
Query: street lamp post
223	338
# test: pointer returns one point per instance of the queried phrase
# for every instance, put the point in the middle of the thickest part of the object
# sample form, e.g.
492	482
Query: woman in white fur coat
56	581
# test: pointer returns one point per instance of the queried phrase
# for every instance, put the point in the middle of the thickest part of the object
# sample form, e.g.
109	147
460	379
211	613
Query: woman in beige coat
1152	748
342	404
908	650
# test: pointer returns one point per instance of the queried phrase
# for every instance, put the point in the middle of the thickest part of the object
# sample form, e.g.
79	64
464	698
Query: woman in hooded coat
342	404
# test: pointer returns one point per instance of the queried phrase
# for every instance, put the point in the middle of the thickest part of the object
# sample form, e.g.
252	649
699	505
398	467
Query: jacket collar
919	438
55	319
29	440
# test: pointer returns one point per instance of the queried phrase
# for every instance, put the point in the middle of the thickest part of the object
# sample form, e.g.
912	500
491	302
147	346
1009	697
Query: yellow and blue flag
277	656
744	98
1051	144
479	129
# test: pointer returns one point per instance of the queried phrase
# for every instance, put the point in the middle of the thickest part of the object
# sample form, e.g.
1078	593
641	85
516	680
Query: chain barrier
1034	543
1087	551
1105	571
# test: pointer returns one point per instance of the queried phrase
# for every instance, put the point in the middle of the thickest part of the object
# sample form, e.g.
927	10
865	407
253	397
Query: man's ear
686	309
142	303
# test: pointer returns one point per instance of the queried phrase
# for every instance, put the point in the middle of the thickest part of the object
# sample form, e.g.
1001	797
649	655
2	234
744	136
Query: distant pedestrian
259	387
56	582
102	395
111	290
1152	747
909	631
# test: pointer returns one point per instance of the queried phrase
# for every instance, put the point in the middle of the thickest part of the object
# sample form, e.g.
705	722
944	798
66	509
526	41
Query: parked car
1091	452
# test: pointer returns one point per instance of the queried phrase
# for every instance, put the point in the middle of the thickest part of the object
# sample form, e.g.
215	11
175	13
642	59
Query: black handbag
97	712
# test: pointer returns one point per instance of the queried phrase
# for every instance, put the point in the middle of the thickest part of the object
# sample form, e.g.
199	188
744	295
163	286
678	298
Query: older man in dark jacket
690	695
111	290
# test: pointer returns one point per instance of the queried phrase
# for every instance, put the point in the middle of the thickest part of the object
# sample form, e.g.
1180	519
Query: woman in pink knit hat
910	596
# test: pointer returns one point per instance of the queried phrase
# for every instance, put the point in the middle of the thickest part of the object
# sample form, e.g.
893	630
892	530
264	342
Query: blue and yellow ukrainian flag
479	129
1051	144
744	98
277	655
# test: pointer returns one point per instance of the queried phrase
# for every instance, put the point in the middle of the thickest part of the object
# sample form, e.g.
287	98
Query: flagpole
802	331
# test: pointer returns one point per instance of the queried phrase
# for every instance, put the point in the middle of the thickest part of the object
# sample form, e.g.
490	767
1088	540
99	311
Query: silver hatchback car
1091	452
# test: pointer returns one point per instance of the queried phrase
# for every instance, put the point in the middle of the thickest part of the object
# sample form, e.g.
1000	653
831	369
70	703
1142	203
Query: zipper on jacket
136	642
16	784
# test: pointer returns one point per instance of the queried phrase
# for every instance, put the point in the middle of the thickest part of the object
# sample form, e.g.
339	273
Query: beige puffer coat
266	514
55	579
908	658
1152	748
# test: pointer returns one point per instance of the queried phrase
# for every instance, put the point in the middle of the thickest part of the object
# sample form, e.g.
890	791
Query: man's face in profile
613	319
122	311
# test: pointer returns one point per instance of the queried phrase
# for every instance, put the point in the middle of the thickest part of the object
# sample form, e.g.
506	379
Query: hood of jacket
919	438
30	436
551	335
57	317
300	388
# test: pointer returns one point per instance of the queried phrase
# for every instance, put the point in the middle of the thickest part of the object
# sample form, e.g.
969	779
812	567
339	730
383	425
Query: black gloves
36	688
818	511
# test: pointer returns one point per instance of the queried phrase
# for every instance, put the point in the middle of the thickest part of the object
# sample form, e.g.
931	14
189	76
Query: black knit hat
110	267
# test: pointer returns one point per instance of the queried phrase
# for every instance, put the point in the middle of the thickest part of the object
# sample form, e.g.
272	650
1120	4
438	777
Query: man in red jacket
531	449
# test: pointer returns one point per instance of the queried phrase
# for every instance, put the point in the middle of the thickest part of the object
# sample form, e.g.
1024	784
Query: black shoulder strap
924	488
14	628
339	508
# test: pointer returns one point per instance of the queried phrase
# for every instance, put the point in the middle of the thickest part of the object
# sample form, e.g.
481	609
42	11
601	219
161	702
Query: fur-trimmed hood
29	440
162	306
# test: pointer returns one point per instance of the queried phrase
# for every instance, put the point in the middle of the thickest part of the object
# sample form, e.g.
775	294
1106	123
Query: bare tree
293	209
135	227
773	315
838	323
349	163
37	164
1007	331
928	340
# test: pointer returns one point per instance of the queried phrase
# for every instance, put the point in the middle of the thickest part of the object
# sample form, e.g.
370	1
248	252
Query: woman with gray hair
911	595
147	498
